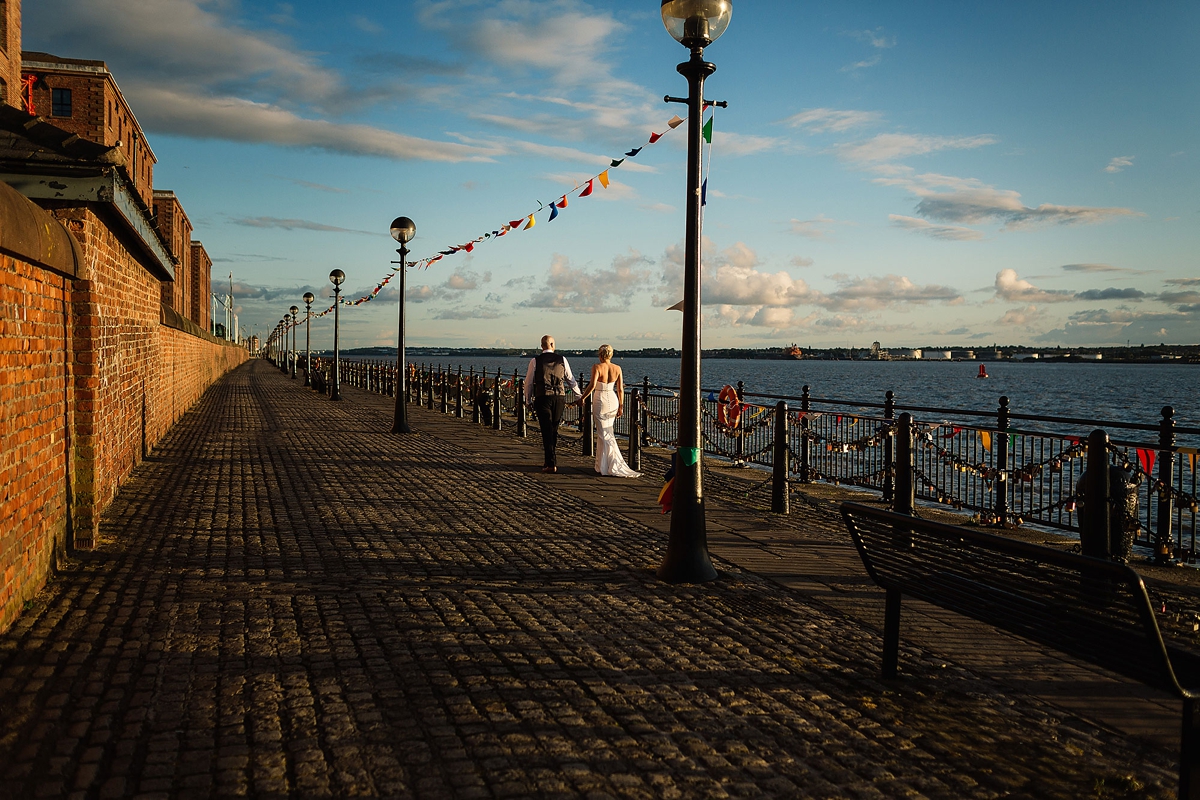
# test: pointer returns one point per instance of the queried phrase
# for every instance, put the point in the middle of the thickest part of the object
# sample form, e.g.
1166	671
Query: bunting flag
706	131
712	398
1147	458
986	438
704	193
522	223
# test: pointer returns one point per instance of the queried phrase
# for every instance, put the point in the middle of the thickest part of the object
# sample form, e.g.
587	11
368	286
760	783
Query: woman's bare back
606	372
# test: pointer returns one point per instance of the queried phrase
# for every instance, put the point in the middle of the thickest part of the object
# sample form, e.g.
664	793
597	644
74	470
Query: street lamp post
294	311
308	301
283	331
403	230
695	24
336	277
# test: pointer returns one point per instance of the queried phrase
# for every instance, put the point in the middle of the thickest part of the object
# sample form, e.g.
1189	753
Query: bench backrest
1093	609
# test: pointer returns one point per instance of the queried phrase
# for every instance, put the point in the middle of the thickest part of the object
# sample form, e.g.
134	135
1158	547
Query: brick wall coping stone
173	319
30	234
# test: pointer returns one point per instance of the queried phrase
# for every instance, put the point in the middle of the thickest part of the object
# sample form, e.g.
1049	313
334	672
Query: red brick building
176	230
199	309
10	52
82	96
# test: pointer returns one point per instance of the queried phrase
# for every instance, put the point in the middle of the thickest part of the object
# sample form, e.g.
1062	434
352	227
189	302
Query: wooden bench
1095	610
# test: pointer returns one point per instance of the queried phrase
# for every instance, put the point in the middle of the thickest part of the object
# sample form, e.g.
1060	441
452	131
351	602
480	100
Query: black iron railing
1004	467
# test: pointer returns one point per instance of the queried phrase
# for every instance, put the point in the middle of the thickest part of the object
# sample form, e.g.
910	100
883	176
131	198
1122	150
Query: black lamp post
336	277
695	24
308	301
403	230
294	311
283	331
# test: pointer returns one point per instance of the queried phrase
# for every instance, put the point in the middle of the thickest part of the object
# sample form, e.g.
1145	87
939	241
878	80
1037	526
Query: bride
608	401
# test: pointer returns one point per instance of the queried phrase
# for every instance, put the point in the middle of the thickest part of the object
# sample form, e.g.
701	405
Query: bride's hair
605	352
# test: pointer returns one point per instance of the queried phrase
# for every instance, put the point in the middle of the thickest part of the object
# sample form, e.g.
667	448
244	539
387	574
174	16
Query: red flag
562	203
516	223
1147	458
654	137
470	246
588	190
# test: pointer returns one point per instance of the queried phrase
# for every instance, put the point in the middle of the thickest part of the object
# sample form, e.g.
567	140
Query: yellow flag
603	176
986	438
530	224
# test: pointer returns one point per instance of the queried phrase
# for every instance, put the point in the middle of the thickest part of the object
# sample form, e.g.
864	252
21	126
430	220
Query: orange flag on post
986	438
562	203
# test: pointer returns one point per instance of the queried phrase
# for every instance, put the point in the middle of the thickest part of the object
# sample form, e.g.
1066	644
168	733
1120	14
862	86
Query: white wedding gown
609	460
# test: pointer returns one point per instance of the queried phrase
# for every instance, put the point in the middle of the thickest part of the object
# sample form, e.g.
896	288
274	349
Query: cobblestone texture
287	602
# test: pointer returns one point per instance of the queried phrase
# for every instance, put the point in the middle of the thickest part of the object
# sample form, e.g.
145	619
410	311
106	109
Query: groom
546	382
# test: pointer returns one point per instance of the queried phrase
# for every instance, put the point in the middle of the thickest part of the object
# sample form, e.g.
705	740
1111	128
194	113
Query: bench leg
891	633
1189	752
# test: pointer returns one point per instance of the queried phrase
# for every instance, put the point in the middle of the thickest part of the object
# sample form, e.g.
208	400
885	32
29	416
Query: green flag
706	131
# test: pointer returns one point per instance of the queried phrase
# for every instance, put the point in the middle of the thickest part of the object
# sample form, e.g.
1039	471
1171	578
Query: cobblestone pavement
289	603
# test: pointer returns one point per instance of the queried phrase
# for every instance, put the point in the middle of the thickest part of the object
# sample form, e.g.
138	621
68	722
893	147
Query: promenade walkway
290	602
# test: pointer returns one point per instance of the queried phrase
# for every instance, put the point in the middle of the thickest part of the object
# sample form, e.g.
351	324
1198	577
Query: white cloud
1119	163
585	291
1014	289
1095	268
826	120
951	232
873	293
891	146
1025	317
801	261
294	225
818	228
742	144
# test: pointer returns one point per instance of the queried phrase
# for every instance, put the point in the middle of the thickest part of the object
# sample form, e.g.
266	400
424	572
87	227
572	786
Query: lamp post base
687	550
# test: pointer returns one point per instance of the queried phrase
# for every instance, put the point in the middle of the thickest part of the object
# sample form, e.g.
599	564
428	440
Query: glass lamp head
308	298
336	277
294	310
403	230
696	23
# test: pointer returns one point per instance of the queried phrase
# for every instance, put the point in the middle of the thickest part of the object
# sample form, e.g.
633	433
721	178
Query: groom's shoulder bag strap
550	375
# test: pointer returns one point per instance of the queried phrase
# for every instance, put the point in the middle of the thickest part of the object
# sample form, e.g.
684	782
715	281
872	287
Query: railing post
645	426
1166	464
445	376
739	445
1001	462
496	402
476	416
889	472
905	497
429	389
805	450
519	395
635	432
587	437
458	395
779	461
1094	521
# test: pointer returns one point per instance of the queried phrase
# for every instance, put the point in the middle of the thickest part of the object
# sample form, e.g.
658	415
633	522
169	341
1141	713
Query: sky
918	174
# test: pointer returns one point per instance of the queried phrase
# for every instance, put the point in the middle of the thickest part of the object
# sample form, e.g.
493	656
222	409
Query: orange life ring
729	408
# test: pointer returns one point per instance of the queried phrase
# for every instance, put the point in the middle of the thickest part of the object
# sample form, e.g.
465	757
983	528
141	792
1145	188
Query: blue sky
918	174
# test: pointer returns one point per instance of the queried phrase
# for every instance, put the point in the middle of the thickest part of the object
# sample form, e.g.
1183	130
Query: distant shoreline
1157	354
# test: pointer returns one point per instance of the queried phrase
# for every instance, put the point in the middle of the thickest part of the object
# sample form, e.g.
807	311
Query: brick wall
200	275
34	387
176	230
10	52
90	379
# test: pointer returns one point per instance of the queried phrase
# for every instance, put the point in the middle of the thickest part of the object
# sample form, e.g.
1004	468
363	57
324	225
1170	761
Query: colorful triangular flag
530	223
706	131
675	122
588	190
516	223
616	162
553	212
1147	458
654	137
603	176
634	152
562	203
704	193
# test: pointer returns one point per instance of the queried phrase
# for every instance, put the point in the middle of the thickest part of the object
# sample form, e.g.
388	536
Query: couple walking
546	383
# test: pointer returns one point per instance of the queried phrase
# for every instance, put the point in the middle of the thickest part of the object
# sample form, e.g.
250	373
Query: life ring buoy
729	408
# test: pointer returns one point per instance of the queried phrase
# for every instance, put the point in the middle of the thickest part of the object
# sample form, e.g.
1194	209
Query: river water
1122	392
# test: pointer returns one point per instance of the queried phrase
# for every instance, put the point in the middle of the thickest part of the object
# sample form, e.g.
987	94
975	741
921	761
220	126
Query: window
60	102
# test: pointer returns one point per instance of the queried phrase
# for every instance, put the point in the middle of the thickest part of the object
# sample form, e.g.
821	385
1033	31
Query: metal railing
1006	468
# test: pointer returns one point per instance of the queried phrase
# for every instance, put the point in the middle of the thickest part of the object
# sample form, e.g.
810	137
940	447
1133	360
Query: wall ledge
31	234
